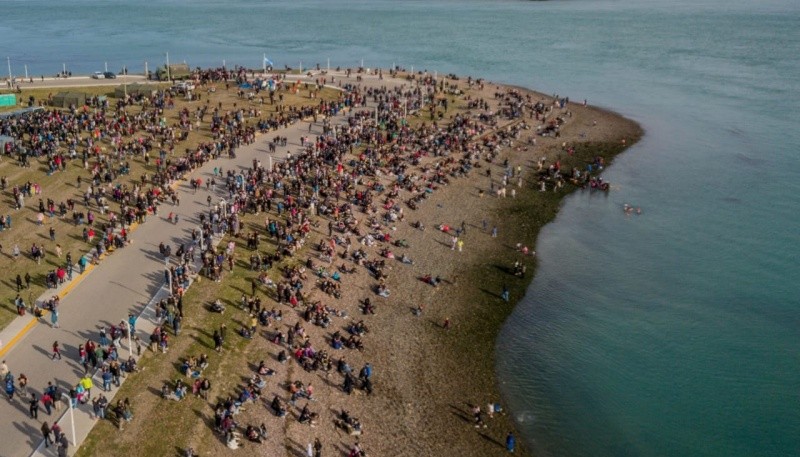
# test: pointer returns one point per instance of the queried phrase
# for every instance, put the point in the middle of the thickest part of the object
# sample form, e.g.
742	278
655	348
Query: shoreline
427	374
523	217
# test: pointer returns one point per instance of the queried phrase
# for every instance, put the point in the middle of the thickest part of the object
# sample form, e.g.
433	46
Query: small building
67	99
134	90
8	100
176	71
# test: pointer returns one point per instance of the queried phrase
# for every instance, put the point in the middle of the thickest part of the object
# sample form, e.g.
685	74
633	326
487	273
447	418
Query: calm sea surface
674	333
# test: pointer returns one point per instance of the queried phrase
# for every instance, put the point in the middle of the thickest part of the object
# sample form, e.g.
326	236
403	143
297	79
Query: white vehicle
183	86
98	75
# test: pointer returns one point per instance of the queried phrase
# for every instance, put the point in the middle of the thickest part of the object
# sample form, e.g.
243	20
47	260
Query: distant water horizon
671	333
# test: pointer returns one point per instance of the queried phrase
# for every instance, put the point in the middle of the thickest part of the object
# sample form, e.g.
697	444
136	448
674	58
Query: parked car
98	75
109	75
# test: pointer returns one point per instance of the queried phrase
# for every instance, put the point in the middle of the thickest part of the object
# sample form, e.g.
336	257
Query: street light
71	417
169	281
130	348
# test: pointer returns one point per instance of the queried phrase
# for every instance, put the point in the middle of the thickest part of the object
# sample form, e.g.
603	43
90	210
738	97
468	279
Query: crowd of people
360	176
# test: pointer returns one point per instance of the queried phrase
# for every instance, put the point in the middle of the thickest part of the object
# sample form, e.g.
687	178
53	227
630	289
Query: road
79	81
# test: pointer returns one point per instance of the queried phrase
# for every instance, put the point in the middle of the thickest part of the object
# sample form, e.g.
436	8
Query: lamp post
71	417
130	346
9	69
169	280
169	76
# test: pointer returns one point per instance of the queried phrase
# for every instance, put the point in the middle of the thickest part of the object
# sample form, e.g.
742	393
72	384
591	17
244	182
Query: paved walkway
127	281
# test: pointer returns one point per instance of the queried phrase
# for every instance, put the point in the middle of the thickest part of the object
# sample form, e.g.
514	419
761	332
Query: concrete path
76	81
129	280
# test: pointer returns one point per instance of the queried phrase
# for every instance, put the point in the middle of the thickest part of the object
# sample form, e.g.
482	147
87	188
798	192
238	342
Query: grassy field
62	185
226	369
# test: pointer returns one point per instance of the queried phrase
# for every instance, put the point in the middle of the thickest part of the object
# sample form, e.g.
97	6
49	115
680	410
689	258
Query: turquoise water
674	333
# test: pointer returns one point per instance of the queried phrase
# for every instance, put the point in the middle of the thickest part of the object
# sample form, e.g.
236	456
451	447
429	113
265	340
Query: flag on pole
268	62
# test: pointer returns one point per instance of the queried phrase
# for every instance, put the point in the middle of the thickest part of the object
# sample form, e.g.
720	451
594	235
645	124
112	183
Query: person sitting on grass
263	370
383	291
307	417
253	434
278	407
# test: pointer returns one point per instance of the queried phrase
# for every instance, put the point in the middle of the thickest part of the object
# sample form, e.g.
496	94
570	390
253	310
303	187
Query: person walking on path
63	446
317	448
132	323
511	442
46	433
47	401
56	351
10	386
34	406
23	385
54	316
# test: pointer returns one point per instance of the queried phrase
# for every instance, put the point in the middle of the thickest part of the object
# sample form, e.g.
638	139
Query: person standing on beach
511	442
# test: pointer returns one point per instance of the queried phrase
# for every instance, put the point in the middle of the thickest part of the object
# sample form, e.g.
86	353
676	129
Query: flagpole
264	63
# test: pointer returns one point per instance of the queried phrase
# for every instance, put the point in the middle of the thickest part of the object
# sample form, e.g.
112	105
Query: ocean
672	333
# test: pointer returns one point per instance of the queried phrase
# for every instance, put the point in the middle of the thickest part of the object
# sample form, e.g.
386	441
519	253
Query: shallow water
672	333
